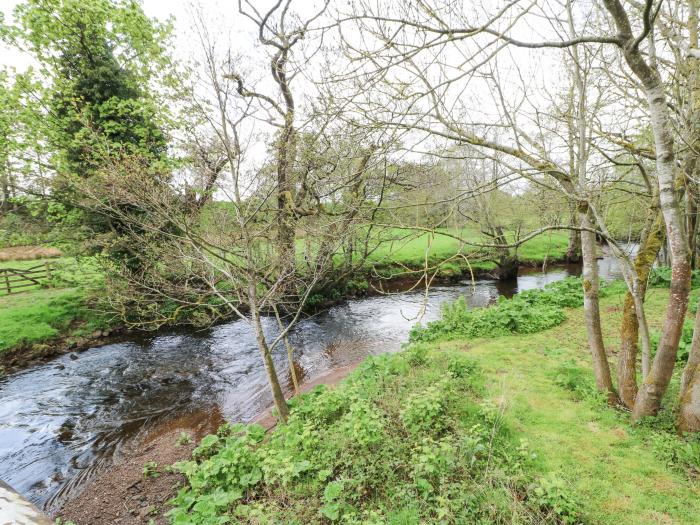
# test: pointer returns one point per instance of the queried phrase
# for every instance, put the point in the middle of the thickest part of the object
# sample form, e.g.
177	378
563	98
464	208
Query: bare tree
400	37
274	232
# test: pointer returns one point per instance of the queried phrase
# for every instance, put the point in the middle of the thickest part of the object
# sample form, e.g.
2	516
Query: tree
225	259
102	66
403	49
100	58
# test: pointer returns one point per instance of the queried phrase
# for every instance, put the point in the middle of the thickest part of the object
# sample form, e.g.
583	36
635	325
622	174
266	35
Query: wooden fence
13	280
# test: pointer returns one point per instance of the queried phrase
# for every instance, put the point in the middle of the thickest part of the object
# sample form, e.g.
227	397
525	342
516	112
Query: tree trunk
629	329
689	414
272	378
573	250
591	307
285	199
656	382
290	354
286	155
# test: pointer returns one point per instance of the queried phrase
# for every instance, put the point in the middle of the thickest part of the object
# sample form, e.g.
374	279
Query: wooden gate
13	280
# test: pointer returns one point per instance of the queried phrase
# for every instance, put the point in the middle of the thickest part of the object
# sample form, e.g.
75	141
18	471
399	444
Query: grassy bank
59	312
402	249
507	429
55	312
618	472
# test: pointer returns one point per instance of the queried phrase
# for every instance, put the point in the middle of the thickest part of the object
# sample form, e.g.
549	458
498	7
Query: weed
150	470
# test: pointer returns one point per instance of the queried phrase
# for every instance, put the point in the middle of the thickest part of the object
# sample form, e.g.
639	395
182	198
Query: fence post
7	282
48	273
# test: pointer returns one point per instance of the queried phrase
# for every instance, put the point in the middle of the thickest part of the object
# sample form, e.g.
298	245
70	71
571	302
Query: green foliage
425	412
404	439
102	67
660	277
684	344
100	57
37	317
528	312
678	452
577	380
357	287
554	497
184	439
150	470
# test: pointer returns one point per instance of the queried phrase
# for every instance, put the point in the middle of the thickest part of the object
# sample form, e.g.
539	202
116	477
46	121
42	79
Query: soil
124	496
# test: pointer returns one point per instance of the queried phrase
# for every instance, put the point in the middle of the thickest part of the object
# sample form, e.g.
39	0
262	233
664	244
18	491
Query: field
405	247
42	313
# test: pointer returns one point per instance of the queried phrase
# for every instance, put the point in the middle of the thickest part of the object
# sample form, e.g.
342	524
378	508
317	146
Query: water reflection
63	421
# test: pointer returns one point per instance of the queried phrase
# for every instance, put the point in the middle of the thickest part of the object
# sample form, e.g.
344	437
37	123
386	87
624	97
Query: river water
63	421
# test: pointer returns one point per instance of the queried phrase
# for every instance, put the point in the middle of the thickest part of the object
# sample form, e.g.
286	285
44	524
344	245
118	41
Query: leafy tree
101	58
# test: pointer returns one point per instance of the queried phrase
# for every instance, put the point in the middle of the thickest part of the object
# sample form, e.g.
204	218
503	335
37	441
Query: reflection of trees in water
301	374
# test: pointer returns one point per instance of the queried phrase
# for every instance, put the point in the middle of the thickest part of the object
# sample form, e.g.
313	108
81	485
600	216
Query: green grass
409	248
611	466
39	314
354	454
406	440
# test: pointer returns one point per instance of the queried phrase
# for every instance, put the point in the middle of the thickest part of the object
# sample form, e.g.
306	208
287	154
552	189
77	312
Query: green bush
425	412
660	277
683	345
678	452
554	498
396	442
528	312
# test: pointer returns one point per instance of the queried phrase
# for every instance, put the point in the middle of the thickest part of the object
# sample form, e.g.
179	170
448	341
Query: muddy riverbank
123	495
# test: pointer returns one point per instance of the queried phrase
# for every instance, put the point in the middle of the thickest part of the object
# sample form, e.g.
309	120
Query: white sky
224	22
161	9
219	12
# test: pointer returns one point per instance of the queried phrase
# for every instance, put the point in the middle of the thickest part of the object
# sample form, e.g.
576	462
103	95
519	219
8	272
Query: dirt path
124	496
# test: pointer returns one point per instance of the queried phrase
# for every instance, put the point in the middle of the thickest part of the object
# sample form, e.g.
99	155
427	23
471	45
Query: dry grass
29	253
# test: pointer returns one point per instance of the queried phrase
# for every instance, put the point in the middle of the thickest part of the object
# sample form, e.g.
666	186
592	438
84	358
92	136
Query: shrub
395	443
425	412
683	345
678	452
528	312
660	277
552	496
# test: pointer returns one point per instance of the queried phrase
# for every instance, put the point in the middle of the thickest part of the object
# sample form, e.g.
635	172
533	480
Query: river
63	421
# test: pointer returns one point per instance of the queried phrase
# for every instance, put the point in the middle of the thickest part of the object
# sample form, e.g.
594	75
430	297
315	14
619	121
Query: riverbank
584	456
125	495
41	324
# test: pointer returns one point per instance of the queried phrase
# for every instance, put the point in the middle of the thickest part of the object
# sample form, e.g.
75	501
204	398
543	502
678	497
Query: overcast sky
161	9
541	69
219	13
